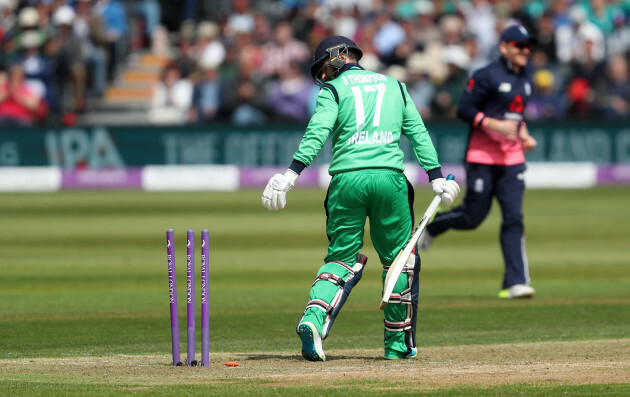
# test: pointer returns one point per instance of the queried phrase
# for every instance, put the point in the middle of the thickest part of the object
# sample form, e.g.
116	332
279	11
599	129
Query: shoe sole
506	295
308	345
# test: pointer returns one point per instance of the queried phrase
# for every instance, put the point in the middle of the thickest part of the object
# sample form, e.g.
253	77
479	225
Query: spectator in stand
28	19
546	37
240	19
389	35
589	58
284	49
21	103
8	51
150	14
427	30
419	85
579	98
408	46
618	41
291	95
588	70
306	24
90	30
7	17
601	14
481	23
114	17
186	53
244	93
612	98
243	46
206	97
567	42
209	45
559	12
452	28
45	9
172	98
37	67
449	91
546	102
518	14
477	60
344	22
263	31
69	59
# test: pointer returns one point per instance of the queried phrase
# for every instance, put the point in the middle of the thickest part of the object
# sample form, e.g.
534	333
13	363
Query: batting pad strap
408	268
398	326
348	268
333	278
320	304
403	298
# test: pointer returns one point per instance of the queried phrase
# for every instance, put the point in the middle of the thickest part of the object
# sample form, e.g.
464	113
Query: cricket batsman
366	113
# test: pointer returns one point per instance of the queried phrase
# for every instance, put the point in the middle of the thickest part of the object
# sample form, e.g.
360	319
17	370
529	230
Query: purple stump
205	306
172	294
190	294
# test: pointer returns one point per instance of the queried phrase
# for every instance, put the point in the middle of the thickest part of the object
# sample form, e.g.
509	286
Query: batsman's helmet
329	49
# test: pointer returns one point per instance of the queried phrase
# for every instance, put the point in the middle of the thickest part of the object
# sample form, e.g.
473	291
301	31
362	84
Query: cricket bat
399	262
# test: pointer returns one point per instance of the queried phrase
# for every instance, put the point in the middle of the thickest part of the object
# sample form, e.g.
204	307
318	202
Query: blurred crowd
248	63
56	55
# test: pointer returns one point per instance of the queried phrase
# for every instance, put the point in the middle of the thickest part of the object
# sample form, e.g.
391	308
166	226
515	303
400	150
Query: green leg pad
396	313
324	291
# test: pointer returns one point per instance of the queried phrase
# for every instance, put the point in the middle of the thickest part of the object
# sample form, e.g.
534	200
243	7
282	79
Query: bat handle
450	177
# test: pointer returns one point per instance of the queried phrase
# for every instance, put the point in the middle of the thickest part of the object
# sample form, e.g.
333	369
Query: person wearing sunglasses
492	104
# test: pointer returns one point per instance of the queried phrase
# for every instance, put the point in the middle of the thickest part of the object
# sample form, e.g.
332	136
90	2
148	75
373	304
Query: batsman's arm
319	127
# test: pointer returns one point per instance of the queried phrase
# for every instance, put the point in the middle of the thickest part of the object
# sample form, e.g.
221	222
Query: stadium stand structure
128	99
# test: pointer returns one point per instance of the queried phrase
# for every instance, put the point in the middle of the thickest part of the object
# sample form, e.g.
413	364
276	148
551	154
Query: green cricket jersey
366	113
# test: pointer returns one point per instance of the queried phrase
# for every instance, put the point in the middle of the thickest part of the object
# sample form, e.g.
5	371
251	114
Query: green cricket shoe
311	342
394	355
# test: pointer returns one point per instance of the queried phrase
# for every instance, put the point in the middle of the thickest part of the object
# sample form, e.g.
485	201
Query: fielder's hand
274	197
448	190
527	140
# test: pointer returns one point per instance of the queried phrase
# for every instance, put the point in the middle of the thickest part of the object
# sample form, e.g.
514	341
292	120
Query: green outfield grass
84	275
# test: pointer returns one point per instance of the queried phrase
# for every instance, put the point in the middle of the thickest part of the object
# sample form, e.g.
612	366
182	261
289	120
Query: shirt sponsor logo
528	89
513	116
371	138
505	87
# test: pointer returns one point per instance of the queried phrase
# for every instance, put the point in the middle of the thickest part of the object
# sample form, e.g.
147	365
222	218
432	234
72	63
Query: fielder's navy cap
518	34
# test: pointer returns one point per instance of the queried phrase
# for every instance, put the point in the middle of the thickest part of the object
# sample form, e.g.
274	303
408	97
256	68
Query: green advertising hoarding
107	147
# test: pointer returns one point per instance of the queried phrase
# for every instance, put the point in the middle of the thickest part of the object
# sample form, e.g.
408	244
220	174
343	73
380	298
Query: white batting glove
274	197
447	190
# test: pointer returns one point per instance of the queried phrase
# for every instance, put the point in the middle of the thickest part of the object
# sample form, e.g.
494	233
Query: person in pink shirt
20	103
492	104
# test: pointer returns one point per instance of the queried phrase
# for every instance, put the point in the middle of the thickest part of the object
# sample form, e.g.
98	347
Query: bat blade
398	264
